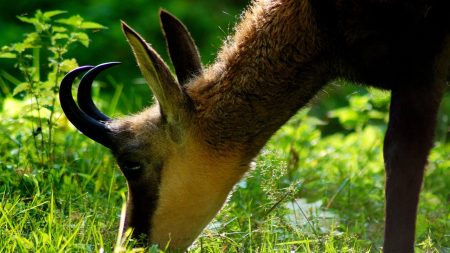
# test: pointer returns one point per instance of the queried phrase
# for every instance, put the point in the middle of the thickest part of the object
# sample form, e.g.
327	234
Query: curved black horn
84	94
90	127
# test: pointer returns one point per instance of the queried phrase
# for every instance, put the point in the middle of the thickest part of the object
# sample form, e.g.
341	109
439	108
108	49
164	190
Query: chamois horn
84	94
92	128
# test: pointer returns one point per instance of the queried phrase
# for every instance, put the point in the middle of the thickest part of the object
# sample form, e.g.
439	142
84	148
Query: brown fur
263	63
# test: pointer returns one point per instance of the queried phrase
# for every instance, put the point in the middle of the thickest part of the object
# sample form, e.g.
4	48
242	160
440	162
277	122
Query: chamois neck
271	67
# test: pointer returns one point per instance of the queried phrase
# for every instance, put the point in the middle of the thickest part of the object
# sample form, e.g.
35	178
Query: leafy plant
42	62
363	110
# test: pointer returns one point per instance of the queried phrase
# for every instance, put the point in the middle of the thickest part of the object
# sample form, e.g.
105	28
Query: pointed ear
182	49
165	88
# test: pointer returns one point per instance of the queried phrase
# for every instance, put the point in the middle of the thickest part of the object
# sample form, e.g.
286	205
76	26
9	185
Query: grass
309	192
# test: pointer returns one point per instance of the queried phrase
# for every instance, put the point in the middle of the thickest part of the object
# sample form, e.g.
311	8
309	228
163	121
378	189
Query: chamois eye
131	169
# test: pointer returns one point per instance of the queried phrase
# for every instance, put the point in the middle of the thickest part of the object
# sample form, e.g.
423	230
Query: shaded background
208	21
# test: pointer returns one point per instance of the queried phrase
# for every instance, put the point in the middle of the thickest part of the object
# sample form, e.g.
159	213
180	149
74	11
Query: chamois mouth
85	116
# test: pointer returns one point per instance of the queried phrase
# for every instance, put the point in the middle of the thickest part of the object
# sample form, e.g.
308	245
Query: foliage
208	21
40	57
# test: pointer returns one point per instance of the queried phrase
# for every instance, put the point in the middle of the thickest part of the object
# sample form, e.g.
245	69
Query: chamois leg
407	144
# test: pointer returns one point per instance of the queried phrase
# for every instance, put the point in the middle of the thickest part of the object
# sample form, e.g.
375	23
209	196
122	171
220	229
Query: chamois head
171	177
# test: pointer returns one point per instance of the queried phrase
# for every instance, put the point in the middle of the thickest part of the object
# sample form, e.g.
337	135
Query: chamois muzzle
86	117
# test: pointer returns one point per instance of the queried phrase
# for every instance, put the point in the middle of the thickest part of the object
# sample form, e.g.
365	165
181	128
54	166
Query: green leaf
19	47
360	103
42	27
7	55
59	36
21	87
49	14
38	21
346	116
91	25
28	20
32	39
374	114
59	29
68	65
75	21
83	38
315	121
57	51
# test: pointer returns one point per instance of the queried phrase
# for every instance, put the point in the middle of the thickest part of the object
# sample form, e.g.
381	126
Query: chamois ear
182	49
166	89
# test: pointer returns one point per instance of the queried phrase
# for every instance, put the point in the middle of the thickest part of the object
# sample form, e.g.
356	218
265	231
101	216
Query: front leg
408	141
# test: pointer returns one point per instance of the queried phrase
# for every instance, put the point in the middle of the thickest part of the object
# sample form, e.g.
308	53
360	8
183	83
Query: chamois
182	156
